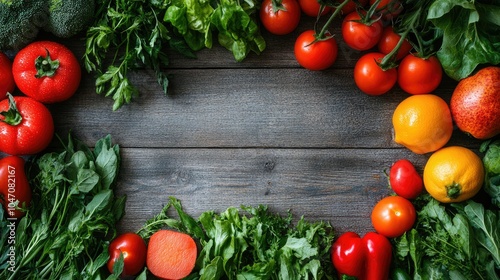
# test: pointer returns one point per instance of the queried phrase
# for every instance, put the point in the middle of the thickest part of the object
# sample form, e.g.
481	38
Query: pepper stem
453	190
45	66
11	116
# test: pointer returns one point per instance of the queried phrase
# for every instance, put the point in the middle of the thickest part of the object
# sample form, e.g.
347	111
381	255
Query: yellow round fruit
422	123
453	174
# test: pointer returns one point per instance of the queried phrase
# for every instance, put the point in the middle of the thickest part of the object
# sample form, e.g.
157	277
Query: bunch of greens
252	243
134	34
72	216
457	241
463	34
491	161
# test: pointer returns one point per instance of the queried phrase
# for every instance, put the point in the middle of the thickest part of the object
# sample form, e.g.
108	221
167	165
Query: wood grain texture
261	131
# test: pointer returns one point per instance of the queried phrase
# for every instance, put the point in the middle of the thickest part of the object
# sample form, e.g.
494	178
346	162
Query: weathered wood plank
241	108
336	185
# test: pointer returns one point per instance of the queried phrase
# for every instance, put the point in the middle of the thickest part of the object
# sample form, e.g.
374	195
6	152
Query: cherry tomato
46	71
6	79
405	180
283	20
26	126
389	40
389	9
15	191
134	250
359	35
393	215
370	78
311	8
319	55
418	75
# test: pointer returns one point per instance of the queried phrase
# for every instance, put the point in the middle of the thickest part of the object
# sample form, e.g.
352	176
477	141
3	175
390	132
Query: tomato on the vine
352	5
280	18
417	75
371	78
361	34
311	8
389	40
134	250
15	191
404	179
26	126
393	215
315	54
46	71
6	79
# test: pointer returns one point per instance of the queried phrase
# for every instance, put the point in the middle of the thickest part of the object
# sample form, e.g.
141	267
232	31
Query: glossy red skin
404	179
370	78
53	89
311	8
475	104
367	258
283	21
317	56
133	248
14	186
393	215
360	36
33	134
418	75
389	40
6	78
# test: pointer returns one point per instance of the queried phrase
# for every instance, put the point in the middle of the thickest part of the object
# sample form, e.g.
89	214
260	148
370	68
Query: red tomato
15	191
393	215
46	71
417	75
405	180
26	126
134	250
281	21
311	8
319	55
389	9
389	40
6	79
370	78
358	35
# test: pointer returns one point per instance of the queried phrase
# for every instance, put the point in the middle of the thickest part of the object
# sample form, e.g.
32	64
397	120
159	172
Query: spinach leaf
470	34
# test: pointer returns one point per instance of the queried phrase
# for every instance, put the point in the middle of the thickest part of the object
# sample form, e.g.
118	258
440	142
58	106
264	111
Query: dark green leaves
73	213
470	35
491	161
252	243
135	34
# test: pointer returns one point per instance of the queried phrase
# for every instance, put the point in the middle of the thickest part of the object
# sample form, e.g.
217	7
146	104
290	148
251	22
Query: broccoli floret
20	21
69	17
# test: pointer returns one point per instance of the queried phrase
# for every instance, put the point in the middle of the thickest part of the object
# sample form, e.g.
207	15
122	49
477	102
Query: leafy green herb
458	241
129	35
72	217
252	243
491	161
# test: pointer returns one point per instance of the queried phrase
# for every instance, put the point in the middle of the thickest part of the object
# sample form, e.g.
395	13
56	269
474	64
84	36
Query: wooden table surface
261	131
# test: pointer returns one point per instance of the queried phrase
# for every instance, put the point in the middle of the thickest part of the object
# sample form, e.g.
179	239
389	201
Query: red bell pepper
367	258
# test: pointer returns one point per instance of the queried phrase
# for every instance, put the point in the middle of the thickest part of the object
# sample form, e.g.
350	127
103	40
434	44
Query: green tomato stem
45	66
12	116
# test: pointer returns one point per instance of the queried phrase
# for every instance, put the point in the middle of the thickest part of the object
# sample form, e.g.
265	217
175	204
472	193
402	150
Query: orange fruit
422	123
453	174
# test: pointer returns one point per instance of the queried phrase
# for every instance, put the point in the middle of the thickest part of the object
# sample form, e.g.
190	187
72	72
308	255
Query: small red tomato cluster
366	26
44	72
370	257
